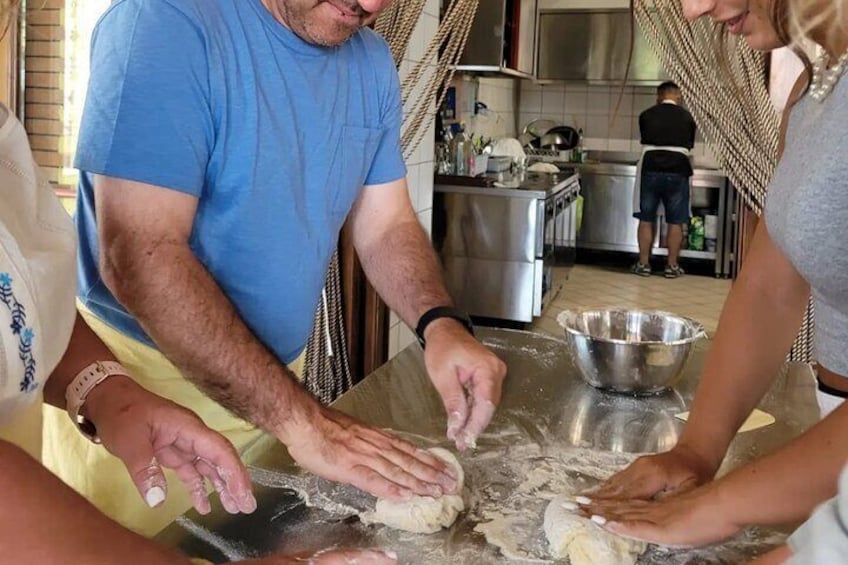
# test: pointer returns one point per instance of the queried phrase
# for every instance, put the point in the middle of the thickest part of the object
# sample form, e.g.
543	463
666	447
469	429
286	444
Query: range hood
592	46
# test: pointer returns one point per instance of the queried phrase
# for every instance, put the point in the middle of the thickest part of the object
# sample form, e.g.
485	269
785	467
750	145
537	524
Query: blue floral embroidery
26	336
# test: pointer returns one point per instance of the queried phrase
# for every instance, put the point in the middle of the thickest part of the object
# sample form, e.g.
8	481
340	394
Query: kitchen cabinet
608	223
502	39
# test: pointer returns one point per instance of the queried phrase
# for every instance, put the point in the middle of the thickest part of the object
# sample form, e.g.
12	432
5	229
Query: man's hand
330	557
148	432
337	447
661	475
468	377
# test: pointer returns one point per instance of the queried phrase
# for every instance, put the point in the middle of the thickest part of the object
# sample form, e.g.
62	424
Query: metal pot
630	351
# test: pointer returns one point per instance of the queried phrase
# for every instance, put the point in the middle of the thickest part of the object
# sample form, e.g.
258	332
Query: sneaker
673	271
641	270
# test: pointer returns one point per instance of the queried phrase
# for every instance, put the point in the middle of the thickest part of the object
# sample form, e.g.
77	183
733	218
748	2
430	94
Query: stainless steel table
544	402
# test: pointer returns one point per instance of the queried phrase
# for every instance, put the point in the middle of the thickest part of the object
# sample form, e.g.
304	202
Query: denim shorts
669	189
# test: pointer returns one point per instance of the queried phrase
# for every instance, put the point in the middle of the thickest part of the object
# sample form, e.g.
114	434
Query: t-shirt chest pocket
354	156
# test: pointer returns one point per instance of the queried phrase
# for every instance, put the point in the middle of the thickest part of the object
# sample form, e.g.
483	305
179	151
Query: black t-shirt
667	124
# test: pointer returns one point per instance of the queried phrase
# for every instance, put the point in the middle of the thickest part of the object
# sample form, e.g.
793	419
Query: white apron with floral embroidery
37	286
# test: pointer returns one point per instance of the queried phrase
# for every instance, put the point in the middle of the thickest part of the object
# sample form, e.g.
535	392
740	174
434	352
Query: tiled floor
697	297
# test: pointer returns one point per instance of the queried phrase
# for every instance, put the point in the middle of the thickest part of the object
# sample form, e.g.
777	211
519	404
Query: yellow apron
101	478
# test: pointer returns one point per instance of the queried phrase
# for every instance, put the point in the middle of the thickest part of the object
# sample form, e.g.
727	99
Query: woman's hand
662	475
696	518
148	432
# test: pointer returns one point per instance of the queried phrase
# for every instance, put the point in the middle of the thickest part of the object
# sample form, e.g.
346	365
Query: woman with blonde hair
798	251
48	352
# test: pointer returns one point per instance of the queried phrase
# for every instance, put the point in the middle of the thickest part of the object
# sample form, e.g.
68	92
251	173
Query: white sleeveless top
37	286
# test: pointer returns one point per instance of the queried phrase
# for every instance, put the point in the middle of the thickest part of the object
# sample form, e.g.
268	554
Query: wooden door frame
366	316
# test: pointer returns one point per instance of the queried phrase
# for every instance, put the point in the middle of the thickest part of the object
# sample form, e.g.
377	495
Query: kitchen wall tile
394	340
634	128
415	49
597	126
406	337
413	177
625	106
553	100
598	101
619	145
575	101
431	27
635	145
620	127
525	118
643	101
529	85
531	101
425	187
426	219
596	143
432	7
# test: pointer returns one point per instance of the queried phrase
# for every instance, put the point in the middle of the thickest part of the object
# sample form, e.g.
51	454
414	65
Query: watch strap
434	314
82	385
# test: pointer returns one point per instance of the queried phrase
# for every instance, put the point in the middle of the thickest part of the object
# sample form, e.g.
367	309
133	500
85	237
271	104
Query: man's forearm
45	522
405	271
185	312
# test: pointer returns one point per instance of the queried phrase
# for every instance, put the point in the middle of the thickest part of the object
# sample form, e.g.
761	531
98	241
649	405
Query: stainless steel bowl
629	351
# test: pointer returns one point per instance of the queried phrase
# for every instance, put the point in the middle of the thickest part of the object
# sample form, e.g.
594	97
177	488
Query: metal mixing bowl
630	351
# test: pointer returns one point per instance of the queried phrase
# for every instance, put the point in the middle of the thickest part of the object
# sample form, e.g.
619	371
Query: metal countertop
544	404
526	184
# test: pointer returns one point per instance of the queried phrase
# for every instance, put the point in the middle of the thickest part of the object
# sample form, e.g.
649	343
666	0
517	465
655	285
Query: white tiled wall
420	163
498	94
608	115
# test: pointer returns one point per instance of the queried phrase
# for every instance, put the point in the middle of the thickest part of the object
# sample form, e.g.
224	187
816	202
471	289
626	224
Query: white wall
420	164
593	108
498	94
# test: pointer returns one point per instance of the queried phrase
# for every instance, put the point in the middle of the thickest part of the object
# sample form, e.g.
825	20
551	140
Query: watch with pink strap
82	385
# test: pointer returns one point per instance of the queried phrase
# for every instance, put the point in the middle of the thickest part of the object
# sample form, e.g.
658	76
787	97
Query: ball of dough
422	514
583	541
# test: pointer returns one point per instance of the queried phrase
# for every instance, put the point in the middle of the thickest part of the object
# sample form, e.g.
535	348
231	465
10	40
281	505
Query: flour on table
422	514
583	541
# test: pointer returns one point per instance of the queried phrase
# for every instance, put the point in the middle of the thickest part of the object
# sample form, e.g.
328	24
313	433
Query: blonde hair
8	9
823	20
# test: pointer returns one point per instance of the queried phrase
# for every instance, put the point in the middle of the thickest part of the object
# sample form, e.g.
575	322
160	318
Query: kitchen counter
523	184
547	411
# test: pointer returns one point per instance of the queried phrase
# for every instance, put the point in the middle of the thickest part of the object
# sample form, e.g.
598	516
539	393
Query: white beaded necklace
824	78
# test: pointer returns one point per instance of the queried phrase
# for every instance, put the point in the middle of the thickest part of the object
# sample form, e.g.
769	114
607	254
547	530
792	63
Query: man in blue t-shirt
223	145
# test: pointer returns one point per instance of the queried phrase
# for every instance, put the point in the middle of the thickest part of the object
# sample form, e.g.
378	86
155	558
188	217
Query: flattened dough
422	514
758	419
583	542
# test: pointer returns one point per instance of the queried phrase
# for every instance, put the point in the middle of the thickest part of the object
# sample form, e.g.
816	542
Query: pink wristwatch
78	390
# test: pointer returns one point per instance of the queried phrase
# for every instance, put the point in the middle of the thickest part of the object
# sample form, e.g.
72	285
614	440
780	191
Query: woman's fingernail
599	520
582	500
570	506
154	496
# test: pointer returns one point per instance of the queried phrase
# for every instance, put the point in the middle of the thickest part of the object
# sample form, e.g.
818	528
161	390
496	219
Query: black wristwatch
442	312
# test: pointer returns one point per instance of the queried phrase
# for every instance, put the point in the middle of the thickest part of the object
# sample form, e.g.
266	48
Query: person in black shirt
668	133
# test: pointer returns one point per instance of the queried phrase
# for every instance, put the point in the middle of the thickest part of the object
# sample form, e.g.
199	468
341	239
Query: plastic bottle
696	234
463	157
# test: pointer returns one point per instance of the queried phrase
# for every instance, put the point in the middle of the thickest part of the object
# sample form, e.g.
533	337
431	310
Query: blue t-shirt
273	135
